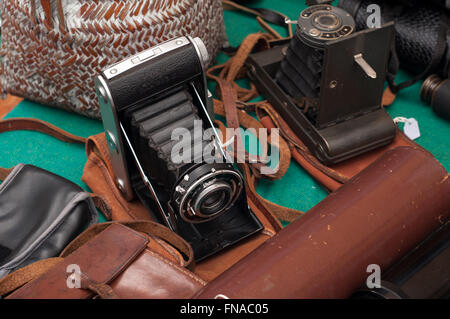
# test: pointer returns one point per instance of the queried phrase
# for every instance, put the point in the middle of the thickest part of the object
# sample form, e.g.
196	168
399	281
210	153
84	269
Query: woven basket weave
51	50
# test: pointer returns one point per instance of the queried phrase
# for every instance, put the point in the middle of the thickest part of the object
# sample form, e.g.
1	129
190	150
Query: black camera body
327	83
143	100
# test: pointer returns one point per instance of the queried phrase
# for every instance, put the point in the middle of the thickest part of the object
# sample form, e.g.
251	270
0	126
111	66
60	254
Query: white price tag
411	127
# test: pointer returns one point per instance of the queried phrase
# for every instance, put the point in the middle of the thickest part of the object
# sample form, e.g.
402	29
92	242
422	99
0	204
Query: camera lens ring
197	180
319	20
221	195
314	30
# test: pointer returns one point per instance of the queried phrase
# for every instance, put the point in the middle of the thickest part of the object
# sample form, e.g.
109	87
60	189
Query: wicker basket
51	50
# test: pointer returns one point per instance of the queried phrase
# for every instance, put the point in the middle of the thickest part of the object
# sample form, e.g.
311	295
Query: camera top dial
321	23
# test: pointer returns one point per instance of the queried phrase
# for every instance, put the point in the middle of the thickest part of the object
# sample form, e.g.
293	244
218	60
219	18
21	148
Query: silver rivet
113	71
180	189
111	139
333	84
178	42
120	184
186	178
314	32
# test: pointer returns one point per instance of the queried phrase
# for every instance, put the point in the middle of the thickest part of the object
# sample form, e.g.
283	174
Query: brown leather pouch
112	260
375	218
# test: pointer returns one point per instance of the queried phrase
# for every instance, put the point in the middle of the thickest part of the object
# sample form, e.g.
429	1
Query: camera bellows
300	71
154	128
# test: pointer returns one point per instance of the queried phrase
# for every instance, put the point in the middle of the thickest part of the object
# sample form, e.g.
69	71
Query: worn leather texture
40	213
374	218
120	257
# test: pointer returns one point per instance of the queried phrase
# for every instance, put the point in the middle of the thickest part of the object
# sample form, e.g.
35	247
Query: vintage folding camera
327	83
143	99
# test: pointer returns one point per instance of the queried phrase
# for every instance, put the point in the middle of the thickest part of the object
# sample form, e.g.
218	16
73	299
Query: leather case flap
101	259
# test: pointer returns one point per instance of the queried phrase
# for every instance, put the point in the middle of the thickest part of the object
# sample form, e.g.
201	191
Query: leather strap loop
102	290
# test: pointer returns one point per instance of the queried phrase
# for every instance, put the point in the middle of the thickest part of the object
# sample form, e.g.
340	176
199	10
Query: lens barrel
436	92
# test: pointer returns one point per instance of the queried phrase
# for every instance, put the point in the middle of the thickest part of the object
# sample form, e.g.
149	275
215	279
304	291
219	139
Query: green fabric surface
295	190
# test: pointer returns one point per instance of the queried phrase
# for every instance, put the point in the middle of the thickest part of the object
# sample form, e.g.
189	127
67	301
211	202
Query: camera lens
207	192
321	23
212	199
326	21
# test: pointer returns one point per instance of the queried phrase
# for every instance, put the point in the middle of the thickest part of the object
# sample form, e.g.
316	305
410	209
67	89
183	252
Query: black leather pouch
40	213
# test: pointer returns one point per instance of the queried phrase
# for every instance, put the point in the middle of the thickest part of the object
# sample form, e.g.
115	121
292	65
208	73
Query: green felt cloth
296	189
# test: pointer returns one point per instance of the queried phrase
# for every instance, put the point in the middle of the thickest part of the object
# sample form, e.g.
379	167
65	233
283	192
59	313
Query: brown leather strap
147	227
231	5
28	124
233	121
265	109
388	97
102	205
4	172
102	290
231	93
26	274
268	208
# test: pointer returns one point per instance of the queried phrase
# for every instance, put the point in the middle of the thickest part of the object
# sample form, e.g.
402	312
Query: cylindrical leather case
375	218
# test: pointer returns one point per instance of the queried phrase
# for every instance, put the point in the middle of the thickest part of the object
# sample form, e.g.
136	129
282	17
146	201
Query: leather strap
147	227
233	121
26	274
29	124
231	93
268	208
262	15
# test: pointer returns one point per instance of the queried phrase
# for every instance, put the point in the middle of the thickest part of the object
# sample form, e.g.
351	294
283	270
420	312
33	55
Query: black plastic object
40	213
422	274
349	119
417	26
436	92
